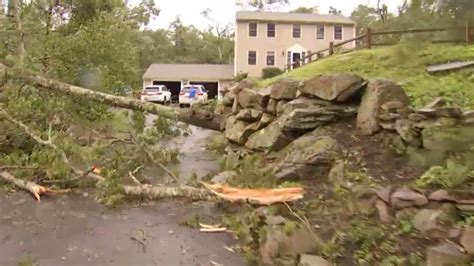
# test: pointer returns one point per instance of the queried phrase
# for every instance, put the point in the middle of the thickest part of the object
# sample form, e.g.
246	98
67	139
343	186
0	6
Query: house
262	39
173	76
3	6
275	39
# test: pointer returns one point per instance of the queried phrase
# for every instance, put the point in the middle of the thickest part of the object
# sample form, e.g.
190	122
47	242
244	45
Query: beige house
275	39
173	76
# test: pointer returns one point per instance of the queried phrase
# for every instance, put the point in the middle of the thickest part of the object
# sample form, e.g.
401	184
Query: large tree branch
31	187
202	119
146	191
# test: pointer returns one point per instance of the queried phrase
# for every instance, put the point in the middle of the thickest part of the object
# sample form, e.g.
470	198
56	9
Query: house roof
292	17
202	72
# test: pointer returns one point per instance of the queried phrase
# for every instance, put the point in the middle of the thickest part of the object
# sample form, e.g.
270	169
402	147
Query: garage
173	86
214	77
211	87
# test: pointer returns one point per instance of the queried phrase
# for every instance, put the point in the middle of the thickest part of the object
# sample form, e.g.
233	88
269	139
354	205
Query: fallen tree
151	192
203	119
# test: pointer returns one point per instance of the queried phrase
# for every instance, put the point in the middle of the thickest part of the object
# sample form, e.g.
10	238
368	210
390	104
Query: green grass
405	64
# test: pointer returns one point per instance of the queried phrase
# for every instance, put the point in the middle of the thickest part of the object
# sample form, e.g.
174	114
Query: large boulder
247	98
228	99
444	254
238	131
263	96
339	88
249	115
310	155
428	223
271	138
376	94
404	198
280	108
284	89
313	117
467	240
272	106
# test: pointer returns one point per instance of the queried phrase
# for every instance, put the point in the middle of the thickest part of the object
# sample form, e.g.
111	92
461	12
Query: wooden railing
368	42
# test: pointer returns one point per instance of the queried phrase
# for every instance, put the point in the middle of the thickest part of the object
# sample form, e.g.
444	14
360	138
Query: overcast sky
224	10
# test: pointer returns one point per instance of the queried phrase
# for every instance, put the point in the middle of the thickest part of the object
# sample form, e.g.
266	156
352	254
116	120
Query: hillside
405	64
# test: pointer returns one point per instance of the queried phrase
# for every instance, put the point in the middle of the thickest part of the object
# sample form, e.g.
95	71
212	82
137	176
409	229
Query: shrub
270	72
241	76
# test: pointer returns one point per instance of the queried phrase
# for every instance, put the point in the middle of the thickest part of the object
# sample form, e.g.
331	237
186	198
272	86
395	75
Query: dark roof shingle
292	17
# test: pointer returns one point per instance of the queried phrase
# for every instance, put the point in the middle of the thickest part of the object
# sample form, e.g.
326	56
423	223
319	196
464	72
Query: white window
271	30
337	32
320	32
253	29
270	58
252	58
296	31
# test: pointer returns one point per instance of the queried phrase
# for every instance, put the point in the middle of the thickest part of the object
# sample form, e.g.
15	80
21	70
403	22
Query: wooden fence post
331	48
468	33
369	38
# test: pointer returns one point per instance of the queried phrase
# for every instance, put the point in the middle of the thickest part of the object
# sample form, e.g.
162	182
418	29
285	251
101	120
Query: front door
296	58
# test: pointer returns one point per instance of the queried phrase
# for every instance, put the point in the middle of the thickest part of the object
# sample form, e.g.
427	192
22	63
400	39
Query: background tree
262	4
307	10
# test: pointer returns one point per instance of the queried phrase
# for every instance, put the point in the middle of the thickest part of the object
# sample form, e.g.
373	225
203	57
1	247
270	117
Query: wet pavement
75	230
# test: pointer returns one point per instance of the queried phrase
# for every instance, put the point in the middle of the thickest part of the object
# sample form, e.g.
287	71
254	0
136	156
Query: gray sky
224	10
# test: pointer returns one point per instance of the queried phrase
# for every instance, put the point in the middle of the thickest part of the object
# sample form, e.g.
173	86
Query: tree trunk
16	6
201	119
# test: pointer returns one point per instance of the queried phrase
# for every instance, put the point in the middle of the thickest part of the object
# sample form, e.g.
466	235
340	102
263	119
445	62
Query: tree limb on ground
31	187
203	119
145	191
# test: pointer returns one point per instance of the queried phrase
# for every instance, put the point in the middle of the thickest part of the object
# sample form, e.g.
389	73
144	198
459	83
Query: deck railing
368	42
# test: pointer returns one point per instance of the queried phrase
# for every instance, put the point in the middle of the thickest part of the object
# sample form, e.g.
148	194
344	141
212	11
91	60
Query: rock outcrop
307	157
377	93
339	88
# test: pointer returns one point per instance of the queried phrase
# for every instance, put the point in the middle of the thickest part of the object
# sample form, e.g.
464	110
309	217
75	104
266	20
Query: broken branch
31	187
147	191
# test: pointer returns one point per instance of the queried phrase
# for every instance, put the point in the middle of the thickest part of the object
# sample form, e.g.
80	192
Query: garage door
211	87
173	86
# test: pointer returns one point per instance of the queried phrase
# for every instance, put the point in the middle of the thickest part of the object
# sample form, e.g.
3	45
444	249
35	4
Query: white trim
256	30
353	36
256	57
236	47
293	29
334	33
266	34
324	31
274	59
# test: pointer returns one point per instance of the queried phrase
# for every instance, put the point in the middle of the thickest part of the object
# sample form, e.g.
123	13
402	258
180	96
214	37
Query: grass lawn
405	64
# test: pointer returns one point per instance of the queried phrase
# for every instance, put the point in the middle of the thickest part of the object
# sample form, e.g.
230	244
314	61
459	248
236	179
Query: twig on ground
141	241
152	158
133	173
306	223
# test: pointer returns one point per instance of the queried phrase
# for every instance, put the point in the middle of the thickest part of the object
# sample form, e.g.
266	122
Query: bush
241	76
270	72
